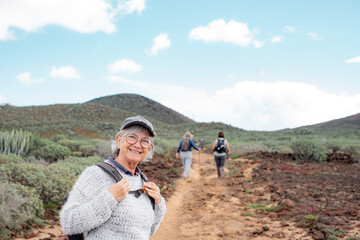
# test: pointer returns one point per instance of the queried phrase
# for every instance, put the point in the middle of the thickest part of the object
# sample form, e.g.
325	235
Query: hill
102	117
98	118
352	121
142	106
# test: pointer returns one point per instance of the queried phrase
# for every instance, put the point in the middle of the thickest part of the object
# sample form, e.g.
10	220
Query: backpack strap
110	170
117	176
145	180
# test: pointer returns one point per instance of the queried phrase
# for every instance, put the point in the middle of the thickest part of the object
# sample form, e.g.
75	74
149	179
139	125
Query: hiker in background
102	209
184	151
202	142
220	149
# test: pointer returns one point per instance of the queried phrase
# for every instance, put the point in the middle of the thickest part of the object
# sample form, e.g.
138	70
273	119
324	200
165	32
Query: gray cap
138	120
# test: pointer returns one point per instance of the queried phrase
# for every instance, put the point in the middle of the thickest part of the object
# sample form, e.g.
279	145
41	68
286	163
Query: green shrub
311	218
76	154
308	150
10	158
58	137
50	183
103	148
333	145
75	165
353	150
48	150
87	150
59	183
13	213
73	145
34	205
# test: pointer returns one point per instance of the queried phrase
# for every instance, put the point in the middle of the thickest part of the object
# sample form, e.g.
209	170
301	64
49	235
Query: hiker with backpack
220	149
98	207
202	142
184	152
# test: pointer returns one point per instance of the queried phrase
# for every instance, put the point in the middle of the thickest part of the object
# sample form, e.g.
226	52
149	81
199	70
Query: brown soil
267	196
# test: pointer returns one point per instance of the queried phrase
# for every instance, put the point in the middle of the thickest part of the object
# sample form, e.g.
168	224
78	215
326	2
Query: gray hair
134	129
187	135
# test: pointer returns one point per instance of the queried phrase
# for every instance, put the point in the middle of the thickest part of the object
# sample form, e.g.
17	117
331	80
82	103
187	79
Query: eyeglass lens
144	142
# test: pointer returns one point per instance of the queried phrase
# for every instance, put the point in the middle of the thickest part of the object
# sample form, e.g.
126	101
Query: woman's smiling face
133	153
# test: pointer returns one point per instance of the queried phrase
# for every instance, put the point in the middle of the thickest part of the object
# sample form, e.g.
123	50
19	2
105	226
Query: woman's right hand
120	189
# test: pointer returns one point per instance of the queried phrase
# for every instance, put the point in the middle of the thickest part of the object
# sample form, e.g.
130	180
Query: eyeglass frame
137	139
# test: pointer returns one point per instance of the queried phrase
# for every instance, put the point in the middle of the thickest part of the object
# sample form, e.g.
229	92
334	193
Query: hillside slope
97	118
87	120
142	106
346	122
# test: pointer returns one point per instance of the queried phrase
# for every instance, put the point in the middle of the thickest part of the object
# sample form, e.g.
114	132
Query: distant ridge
97	118
142	106
352	121
101	118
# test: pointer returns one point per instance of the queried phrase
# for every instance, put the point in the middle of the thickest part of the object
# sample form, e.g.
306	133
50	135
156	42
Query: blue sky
257	65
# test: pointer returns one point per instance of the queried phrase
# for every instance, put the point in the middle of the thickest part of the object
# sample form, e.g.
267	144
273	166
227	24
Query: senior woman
102	209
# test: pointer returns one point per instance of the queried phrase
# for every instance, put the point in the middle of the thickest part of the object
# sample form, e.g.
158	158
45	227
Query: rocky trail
208	207
264	197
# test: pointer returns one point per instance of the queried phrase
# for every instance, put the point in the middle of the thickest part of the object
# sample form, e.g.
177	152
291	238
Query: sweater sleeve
160	210
179	147
193	145
89	203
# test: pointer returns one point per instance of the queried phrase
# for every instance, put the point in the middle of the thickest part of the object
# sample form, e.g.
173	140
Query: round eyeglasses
145	142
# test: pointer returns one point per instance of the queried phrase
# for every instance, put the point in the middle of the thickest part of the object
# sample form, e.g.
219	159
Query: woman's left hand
154	191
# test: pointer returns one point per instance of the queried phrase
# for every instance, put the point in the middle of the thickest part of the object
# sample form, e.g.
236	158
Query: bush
10	158
13	212
334	146
48	150
33	204
353	150
76	154
103	148
74	145
87	150
308	150
50	183
76	165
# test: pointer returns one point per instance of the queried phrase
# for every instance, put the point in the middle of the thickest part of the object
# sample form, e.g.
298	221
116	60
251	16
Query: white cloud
124	65
314	36
126	81
160	42
220	31
66	72
252	105
2	99
288	29
27	79
85	16
258	44
353	60
132	6
277	39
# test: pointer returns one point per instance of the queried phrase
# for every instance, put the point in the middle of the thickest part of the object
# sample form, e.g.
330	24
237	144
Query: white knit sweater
93	210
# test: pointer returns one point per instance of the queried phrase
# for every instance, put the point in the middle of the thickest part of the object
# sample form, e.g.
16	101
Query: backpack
117	176
220	145
185	144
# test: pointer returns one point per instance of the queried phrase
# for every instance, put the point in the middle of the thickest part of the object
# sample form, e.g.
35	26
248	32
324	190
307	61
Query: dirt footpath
207	207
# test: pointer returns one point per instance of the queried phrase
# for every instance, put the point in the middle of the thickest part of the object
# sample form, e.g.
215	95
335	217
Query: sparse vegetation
308	150
311	218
